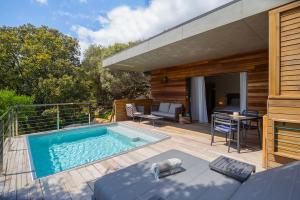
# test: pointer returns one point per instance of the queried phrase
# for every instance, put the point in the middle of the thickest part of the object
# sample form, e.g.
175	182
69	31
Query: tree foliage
9	98
43	63
110	85
31	58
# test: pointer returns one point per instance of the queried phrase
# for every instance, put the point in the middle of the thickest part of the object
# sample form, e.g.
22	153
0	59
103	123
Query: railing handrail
51	104
25	119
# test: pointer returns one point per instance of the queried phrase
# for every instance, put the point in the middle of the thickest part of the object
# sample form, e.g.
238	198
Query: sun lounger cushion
232	168
137	182
274	184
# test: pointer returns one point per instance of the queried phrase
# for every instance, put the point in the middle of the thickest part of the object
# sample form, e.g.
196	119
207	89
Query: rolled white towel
166	165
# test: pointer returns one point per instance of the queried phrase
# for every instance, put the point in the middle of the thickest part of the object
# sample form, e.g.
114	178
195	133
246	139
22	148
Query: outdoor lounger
198	182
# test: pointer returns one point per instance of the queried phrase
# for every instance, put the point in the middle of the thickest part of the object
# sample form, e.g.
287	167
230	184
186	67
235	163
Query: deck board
17	183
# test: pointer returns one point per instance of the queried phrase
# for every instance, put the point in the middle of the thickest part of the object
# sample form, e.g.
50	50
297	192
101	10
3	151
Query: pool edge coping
32	168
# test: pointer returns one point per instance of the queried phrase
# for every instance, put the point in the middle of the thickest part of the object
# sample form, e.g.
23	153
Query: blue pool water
58	151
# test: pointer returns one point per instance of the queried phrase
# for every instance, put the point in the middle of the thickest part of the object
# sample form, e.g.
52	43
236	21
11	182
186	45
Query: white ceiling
230	30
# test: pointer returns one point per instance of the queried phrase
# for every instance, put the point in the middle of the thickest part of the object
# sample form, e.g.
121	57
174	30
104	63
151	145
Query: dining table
239	119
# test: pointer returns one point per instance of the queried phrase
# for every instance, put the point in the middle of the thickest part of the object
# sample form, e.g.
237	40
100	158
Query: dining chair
248	125
223	123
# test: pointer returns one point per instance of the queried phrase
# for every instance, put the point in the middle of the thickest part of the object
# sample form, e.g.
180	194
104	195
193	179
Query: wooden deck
17	182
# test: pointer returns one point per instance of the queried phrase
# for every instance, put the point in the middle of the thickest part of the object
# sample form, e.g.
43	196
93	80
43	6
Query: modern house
243	55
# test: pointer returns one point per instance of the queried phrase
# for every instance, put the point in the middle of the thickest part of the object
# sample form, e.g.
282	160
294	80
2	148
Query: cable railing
27	119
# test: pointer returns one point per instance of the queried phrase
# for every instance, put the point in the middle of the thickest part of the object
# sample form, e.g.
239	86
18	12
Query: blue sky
104	22
60	14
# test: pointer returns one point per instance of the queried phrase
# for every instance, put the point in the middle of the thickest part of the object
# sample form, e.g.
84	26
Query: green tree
61	90
109	85
36	60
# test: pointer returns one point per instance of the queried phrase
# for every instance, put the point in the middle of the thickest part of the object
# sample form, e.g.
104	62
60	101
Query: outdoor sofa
167	110
198	182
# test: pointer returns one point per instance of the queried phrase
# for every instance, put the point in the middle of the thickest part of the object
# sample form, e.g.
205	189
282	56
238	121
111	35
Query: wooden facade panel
290	37
291	32
290	42
290	58
295	72
293	21
288	104
119	111
289	78
176	88
289	88
283	146
290	62
291	51
290	27
258	89
290	68
291	14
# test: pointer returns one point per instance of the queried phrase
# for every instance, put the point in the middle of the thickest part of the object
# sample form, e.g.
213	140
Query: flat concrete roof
240	26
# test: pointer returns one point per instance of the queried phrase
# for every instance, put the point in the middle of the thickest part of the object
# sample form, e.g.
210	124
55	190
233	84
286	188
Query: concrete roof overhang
238	27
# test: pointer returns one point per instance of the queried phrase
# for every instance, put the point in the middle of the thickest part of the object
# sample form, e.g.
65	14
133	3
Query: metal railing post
2	144
9	124
57	117
89	113
9	130
13	122
16	122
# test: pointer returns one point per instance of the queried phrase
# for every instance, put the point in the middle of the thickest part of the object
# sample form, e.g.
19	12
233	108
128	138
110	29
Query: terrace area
235	75
17	183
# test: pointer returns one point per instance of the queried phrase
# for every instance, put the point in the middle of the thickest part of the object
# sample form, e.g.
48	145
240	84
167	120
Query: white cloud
42	1
124	24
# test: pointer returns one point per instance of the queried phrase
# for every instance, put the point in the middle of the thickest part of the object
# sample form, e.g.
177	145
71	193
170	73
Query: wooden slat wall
176	89
119	110
284	86
258	89
290	52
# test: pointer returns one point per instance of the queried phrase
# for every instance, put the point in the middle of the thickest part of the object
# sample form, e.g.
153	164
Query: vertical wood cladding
290	52
283	130
176	88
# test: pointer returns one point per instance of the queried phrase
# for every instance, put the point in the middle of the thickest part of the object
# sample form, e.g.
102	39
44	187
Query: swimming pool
58	151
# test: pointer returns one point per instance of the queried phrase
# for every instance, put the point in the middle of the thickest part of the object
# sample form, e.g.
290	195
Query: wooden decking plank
93	171
77	190
103	170
84	188
85	174
35	190
10	181
54	188
79	183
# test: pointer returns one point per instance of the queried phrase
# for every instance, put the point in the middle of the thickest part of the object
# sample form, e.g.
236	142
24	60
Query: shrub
9	98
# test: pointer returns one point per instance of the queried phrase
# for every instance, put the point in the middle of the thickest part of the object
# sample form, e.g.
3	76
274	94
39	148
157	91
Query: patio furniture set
230	124
158	112
222	122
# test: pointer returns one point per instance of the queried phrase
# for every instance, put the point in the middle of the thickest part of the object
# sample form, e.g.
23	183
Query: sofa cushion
137	113
164	107
163	114
173	107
